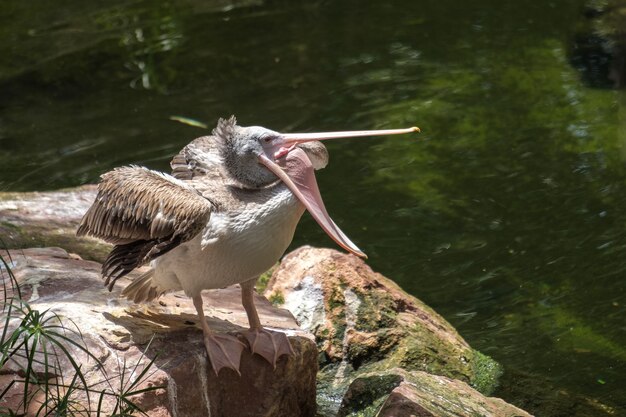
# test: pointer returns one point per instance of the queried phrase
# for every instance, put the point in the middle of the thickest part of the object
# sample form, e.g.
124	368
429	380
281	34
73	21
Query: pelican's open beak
294	168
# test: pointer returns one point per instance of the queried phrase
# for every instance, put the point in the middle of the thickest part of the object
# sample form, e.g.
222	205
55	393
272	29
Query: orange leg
224	350
270	345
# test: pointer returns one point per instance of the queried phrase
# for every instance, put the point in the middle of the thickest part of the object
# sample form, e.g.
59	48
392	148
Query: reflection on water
506	214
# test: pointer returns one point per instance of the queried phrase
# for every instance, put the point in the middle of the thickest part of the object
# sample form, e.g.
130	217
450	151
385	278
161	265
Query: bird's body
248	230
225	215
237	245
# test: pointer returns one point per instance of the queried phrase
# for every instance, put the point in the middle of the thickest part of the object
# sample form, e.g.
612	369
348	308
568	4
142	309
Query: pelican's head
256	156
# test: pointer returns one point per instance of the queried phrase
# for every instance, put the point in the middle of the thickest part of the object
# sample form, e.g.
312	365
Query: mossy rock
368	393
49	219
365	323
395	392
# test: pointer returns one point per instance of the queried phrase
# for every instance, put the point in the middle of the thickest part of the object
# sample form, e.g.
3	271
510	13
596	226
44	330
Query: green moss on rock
263	280
367	394
486	373
369	324
17	237
277	298
376	311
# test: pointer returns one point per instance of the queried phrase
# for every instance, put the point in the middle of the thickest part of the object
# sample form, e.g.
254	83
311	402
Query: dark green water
507	214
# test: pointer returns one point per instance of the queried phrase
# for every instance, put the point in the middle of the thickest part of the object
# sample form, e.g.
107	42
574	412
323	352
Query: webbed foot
270	345
224	351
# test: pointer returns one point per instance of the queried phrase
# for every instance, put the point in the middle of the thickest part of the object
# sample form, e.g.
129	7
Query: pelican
225	215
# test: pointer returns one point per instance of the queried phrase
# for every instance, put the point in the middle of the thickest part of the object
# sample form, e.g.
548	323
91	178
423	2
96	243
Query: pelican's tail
142	289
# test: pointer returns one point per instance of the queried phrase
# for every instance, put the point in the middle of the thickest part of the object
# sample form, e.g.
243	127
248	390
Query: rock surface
398	393
44	219
117	331
363	322
364	325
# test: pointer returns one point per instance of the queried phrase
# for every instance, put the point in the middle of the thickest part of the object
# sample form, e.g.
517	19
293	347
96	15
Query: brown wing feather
144	213
202	155
136	203
199	158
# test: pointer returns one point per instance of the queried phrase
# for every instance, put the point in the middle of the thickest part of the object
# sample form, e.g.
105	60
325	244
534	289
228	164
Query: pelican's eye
266	139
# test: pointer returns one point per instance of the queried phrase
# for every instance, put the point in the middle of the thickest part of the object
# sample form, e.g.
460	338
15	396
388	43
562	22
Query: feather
145	214
202	156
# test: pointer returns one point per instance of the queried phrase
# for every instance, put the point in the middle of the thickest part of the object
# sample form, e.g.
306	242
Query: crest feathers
225	128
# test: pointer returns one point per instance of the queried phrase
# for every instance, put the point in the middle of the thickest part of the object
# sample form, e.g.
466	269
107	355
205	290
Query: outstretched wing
145	214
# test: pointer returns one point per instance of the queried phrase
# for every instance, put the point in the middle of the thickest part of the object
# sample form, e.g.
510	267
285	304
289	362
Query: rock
398	393
44	219
363	322
364	325
118	333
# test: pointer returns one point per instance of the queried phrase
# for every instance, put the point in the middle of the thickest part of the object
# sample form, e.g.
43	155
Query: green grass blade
73	362
15	288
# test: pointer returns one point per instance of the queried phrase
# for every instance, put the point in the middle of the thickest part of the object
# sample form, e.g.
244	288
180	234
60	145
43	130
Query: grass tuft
40	348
